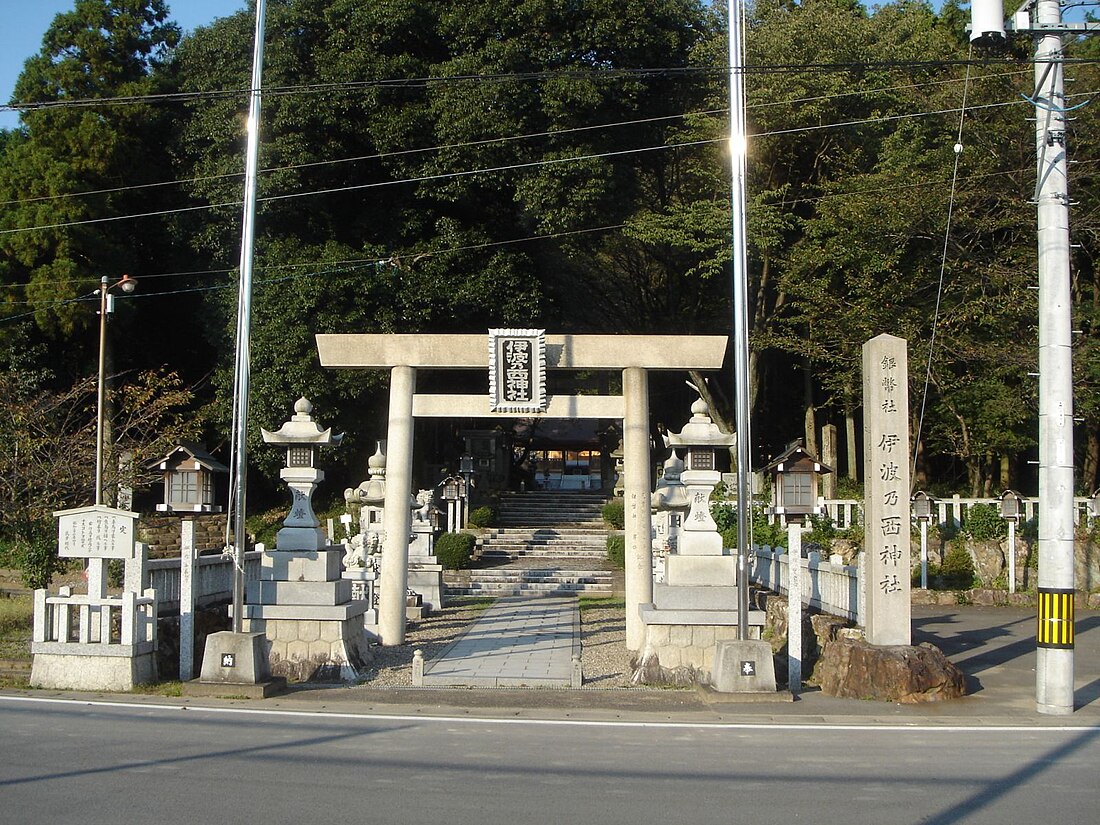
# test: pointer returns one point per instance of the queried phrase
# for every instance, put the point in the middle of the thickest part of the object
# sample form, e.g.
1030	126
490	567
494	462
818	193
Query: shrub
616	551
822	532
37	560
957	569
482	517
455	550
614	514
725	516
984	522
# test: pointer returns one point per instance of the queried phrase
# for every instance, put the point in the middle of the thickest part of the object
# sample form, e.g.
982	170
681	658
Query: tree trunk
850	438
809	424
1091	467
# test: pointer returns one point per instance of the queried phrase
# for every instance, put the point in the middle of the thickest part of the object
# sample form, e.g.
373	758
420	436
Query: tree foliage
456	166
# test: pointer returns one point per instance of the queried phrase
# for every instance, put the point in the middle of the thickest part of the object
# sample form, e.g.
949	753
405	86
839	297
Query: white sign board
95	532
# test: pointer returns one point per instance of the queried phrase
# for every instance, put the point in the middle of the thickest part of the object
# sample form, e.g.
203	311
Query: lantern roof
301	429
796	458
700	431
189	451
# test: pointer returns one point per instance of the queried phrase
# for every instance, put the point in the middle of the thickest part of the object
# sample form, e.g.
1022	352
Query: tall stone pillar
886	491
397	517
636	494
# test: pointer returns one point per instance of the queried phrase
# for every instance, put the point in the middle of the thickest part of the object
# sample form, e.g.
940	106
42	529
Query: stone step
535	534
563	548
523	589
532	552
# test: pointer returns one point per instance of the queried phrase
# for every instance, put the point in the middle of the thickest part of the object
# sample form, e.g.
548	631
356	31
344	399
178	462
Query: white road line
587	723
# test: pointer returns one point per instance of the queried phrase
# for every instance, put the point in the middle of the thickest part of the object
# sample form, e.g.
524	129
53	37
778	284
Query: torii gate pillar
397	515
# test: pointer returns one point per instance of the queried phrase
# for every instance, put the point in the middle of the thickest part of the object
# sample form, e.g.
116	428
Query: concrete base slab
233	690
92	672
712	697
743	666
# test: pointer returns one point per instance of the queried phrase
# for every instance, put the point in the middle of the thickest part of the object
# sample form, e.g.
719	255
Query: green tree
72	143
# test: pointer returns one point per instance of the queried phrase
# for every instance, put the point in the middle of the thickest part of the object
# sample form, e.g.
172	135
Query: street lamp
106	306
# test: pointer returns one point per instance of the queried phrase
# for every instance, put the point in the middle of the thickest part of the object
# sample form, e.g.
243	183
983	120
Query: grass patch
16	622
600	603
173	689
478	603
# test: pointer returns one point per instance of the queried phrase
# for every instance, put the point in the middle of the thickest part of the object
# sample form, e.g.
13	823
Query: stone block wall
161	531
680	654
303	650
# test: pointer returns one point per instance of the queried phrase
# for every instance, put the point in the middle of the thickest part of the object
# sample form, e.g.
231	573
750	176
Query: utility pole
1042	19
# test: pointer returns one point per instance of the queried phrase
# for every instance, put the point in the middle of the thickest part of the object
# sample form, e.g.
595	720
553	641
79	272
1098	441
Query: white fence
213	580
831	588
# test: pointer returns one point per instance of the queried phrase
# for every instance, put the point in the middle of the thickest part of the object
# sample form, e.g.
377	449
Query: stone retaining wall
161	531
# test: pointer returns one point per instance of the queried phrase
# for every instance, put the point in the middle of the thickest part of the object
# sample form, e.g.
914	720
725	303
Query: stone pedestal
303	605
425	571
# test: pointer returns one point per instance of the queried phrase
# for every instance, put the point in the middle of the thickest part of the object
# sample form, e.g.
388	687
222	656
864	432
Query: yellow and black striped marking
1055	628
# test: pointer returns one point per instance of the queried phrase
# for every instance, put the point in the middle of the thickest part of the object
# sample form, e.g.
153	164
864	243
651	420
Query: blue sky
25	21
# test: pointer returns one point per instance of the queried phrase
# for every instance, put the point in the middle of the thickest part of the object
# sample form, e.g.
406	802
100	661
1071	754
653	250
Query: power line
496	169
424	82
502	139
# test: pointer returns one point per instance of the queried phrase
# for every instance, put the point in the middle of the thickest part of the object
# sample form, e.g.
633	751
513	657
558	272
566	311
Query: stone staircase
548	543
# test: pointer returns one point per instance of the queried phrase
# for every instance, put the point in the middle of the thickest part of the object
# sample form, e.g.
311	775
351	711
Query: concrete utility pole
1042	19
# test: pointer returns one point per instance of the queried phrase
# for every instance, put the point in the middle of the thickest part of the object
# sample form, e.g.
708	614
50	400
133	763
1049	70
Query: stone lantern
302	437
698	440
301	603
694	610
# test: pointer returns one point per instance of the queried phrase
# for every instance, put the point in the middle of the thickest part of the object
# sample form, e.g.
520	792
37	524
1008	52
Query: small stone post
188	582
794	608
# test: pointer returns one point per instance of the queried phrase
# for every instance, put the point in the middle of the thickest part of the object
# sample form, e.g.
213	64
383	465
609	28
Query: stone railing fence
828	587
846	512
124	625
212	575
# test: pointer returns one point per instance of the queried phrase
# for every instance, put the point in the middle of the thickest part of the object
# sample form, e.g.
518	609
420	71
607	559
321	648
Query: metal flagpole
738	161
244	321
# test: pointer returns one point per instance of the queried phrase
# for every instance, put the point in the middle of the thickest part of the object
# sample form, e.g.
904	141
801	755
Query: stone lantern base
314	630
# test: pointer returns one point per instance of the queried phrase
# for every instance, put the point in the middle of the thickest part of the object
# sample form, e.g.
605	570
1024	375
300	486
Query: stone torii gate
403	355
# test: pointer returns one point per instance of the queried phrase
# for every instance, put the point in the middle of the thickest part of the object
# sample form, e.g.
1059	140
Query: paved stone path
517	642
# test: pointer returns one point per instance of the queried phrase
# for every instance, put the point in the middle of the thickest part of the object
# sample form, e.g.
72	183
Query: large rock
910	674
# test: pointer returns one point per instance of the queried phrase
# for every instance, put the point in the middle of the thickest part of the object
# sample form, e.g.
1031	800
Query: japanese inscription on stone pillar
517	370
886	482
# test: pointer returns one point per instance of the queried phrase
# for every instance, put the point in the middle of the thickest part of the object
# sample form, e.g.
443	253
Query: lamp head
127	284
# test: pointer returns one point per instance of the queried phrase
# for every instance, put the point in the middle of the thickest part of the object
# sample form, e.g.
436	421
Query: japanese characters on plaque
886	482
517	370
95	532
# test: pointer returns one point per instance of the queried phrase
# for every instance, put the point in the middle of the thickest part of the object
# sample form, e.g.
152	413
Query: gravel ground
604	657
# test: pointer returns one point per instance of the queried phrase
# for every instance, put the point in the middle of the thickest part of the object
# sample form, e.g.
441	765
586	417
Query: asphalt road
81	762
